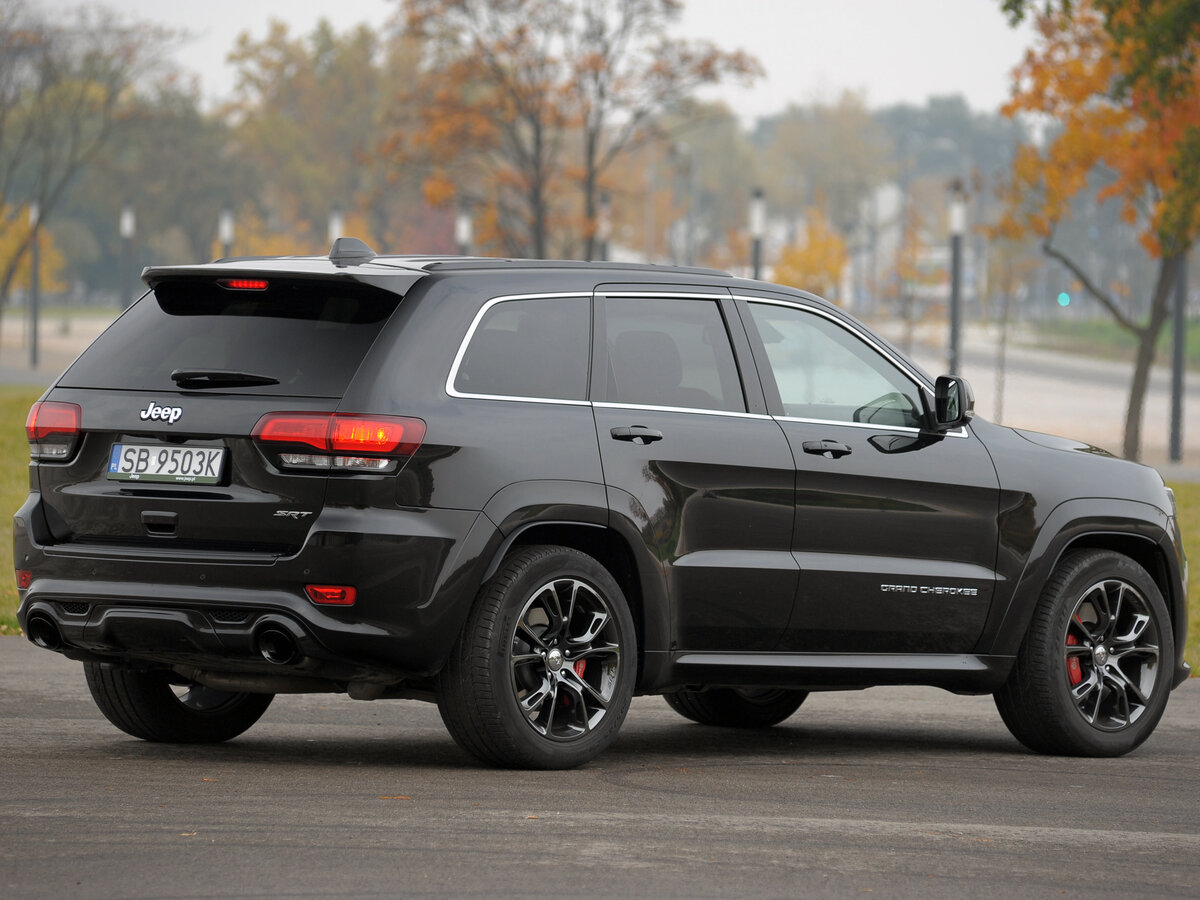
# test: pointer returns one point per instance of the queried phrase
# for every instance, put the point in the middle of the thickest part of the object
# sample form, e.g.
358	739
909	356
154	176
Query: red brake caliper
580	667
1074	670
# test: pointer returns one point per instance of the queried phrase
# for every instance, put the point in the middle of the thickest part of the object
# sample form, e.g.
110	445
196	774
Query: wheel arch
1118	526
602	544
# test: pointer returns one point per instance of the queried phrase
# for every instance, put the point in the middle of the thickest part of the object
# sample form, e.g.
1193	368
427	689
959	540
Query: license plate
155	462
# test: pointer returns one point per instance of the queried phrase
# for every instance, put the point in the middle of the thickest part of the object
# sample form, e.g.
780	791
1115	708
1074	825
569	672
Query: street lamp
127	227
35	216
225	231
958	225
464	231
1178	361
337	225
758	227
604	225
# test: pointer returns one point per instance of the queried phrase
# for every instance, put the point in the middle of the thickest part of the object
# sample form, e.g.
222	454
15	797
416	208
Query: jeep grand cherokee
530	490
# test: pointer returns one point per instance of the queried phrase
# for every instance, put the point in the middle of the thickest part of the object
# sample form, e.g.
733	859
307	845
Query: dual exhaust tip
272	642
43	631
276	645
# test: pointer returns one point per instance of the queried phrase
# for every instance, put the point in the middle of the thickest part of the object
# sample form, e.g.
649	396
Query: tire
1093	674
148	705
543	673
736	707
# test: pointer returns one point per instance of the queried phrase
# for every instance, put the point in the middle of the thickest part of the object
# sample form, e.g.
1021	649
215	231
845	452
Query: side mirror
953	402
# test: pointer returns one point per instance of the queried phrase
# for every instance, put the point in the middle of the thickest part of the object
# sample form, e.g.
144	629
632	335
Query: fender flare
1073	521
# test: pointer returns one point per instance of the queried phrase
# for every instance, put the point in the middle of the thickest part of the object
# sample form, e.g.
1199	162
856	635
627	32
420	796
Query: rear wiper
202	378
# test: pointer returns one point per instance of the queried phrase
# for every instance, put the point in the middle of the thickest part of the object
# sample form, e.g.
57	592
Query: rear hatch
168	401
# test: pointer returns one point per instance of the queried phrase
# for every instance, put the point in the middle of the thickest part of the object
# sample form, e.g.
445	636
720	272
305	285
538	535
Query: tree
817	261
1139	143
310	114
834	154
63	91
513	86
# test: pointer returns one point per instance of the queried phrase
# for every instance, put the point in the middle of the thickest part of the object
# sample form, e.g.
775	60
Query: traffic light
1064	299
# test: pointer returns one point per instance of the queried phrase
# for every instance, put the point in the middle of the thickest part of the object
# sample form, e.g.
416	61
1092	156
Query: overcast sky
893	50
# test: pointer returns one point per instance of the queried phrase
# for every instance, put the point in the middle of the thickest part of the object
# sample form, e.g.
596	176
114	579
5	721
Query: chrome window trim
466	341
666	295
682	409
869	340
902	429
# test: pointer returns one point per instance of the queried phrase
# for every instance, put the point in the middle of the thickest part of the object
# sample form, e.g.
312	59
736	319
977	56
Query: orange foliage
15	238
817	264
1136	138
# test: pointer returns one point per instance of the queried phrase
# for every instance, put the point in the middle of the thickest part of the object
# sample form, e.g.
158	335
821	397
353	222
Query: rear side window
670	353
534	347
310	336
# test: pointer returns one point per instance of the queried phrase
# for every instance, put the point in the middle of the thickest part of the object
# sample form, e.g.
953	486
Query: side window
535	348
673	353
825	372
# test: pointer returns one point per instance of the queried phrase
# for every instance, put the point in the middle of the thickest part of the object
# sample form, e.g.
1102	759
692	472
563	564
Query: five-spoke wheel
565	659
1092	676
543	672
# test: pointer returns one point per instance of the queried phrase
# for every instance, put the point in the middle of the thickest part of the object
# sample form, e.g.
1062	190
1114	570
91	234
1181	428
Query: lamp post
337	225
758	227
464	231
604	225
35	215
225	231
1178	361
127	227
958	224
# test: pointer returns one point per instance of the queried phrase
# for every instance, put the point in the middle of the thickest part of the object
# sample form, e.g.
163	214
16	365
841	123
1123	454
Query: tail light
325	441
53	430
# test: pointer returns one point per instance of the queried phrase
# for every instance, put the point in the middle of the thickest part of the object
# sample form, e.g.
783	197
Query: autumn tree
309	113
818	258
834	154
1138	142
913	272
519	87
64	88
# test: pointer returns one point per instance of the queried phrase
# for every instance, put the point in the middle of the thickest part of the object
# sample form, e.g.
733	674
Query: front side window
670	353
825	372
535	347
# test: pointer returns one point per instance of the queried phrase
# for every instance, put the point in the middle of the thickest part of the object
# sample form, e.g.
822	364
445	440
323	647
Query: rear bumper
247	613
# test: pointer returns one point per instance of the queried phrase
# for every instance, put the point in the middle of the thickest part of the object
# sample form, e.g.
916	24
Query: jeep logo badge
154	412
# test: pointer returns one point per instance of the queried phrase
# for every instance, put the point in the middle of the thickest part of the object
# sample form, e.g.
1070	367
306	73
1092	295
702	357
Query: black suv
530	490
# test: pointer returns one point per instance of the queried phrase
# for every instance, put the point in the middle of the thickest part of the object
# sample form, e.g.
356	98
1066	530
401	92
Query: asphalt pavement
894	792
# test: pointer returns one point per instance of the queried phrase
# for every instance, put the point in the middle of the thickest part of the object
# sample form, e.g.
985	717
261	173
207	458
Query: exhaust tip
43	631
277	646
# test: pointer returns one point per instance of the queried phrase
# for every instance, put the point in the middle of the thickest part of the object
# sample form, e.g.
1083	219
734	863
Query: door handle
637	434
828	449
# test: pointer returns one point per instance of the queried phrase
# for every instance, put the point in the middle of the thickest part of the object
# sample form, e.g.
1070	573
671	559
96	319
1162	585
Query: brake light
331	594
244	284
342	440
53	429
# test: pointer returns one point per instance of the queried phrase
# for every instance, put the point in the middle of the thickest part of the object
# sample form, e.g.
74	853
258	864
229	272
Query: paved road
899	792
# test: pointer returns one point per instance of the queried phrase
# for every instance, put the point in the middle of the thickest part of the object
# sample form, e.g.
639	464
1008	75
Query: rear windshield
310	336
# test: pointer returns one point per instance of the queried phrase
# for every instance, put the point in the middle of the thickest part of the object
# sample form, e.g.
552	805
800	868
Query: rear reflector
24	578
331	594
244	284
53	429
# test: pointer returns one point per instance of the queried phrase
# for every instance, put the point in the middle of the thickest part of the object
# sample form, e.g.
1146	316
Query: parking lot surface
896	792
